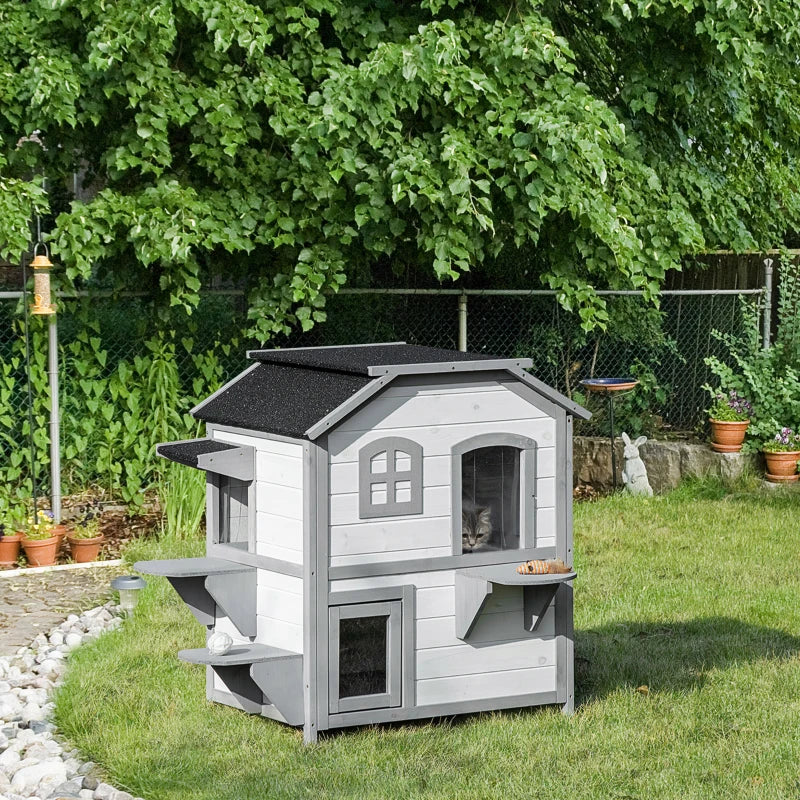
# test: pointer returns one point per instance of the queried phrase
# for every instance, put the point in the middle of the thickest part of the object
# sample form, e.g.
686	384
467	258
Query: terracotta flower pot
728	437
9	549
60	531
41	552
782	467
84	550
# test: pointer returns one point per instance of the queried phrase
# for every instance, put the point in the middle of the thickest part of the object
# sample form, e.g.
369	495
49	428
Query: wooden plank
223	624
502	626
420	555
279	500
284	606
446	662
545	523
279	633
439	440
435	409
493	684
279	581
545	462
279	531
422	580
546	492
344	507
546	541
379	535
280	470
260	444
436	602
419	389
281	553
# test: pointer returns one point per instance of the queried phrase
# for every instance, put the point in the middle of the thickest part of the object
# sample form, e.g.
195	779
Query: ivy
290	147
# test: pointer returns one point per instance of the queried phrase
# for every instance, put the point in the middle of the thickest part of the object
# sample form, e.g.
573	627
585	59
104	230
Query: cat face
476	529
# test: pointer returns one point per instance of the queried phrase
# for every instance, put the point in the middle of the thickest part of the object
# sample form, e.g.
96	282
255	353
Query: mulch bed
116	524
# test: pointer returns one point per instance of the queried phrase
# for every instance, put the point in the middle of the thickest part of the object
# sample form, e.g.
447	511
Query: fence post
462	322
767	318
55	436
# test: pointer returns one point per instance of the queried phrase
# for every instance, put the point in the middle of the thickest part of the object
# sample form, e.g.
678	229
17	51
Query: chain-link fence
116	342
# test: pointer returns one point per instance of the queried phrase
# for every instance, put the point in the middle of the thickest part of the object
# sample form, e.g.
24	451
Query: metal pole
462	322
767	320
34	488
613	449
55	434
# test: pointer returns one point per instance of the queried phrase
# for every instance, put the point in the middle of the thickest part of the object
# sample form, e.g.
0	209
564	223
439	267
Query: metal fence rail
665	347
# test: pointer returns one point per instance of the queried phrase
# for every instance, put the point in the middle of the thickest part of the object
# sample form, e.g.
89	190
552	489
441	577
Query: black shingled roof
287	392
358	360
188	451
280	399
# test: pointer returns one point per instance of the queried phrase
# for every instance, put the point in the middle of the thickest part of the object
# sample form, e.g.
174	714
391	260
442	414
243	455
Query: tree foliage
292	145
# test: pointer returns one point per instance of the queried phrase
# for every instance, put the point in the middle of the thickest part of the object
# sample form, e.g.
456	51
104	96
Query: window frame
527	465
392	697
217	524
367	479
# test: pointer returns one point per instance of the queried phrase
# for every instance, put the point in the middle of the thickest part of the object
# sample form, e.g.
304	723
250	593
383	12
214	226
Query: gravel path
31	604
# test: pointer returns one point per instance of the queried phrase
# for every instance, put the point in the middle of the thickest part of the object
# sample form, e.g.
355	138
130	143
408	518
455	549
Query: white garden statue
634	473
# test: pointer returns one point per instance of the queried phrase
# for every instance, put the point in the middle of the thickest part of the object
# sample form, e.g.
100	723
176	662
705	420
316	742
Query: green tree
292	146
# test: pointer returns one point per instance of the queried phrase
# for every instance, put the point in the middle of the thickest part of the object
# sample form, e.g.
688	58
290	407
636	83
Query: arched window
390	478
493	493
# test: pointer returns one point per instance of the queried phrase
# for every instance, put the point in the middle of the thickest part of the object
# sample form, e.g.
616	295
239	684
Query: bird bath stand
610	387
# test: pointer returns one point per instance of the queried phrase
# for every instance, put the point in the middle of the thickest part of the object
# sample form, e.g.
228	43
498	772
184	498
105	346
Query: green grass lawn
695	596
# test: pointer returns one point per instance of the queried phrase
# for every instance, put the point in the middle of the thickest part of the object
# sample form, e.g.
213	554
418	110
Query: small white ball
219	643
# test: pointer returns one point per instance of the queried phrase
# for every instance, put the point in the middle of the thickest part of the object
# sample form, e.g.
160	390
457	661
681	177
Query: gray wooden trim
564	619
213	427
409	647
253	560
238	462
227	699
440	563
366	478
528	469
223	388
550	393
310	509
447	367
347	407
531	395
406	593
442	710
393	610
216	524
471	593
319	554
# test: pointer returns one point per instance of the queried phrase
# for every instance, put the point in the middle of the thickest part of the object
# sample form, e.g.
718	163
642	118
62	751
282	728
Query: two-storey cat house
367	509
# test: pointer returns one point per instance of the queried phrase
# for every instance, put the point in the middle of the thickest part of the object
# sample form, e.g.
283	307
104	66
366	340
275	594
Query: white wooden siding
278	495
437	417
499	659
508	683
279	610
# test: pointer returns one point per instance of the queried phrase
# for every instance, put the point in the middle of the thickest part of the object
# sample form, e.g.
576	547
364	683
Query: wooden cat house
367	509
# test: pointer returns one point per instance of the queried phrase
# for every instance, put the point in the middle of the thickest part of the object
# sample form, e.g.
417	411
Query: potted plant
782	453
39	542
729	417
9	544
85	540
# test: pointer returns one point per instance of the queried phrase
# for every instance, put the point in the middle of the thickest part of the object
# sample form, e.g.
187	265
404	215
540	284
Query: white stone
29	778
72	640
86	794
25	737
3	741
8	758
10	706
5	686
56	638
50	667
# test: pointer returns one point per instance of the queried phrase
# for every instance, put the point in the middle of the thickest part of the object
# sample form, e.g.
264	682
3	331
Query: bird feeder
41	266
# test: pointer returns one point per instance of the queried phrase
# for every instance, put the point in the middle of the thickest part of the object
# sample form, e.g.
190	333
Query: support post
55	421
767	318
462	322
